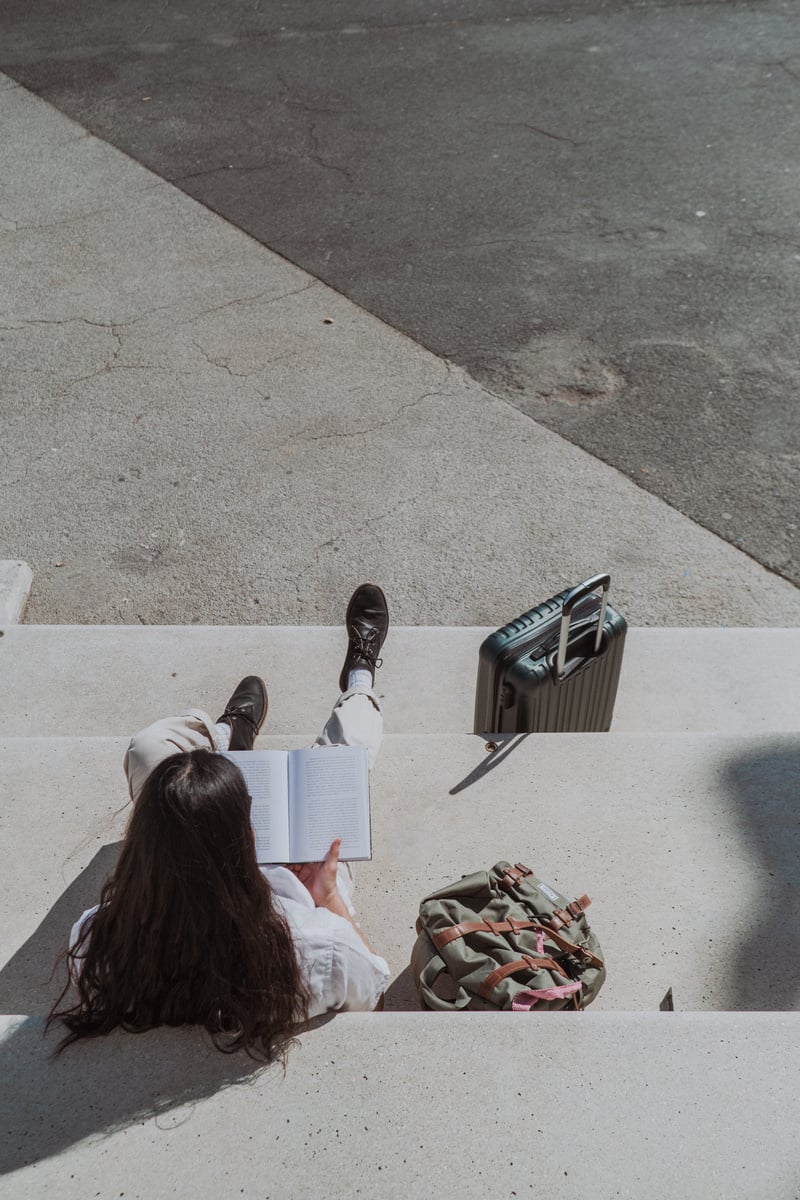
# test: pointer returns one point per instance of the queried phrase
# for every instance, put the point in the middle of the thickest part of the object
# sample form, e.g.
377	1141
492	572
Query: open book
303	799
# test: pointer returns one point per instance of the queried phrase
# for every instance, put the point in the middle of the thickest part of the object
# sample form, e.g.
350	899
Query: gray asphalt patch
594	210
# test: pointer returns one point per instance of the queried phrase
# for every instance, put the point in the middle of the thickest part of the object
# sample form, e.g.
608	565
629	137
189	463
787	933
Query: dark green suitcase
556	668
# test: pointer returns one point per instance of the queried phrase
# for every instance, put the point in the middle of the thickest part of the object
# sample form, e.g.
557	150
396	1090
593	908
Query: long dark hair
187	931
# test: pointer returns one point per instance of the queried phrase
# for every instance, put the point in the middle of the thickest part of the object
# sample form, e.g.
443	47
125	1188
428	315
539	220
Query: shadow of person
101	1085
766	969
28	982
401	994
98	1085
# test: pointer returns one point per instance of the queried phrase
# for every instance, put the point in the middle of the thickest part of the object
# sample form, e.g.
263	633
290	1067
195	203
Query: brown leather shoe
367	624
246	712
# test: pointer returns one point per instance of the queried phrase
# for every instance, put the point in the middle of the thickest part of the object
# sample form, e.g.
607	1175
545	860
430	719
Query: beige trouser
356	720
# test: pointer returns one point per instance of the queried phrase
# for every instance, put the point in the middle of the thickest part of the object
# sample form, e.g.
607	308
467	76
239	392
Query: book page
266	775
329	798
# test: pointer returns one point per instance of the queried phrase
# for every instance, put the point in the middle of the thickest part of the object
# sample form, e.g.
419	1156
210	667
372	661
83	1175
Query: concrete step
109	680
700	1106
688	845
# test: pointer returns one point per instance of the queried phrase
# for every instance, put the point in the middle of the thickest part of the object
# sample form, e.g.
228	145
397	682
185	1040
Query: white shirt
340	972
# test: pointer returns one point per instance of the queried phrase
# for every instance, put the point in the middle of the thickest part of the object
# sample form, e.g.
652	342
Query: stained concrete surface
195	431
592	207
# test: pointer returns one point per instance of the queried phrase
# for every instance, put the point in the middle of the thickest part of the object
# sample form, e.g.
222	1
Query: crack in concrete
518	241
303	435
220	363
316	156
140	366
60	324
494	242
110	363
781	64
151	312
384	515
111	325
177	180
556	137
291	100
83	216
247	300
161	12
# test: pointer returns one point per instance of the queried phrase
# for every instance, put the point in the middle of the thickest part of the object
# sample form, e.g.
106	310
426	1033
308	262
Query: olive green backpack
503	939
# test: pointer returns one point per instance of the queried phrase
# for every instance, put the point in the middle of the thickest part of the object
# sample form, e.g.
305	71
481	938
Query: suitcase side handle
570	600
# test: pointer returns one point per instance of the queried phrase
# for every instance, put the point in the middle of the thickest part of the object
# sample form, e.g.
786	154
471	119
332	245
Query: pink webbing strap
525	1000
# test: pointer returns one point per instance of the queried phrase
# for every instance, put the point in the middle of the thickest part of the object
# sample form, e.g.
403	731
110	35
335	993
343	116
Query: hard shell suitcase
555	669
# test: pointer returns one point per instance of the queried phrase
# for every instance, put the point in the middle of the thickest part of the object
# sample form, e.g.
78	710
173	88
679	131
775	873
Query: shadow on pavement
506	743
766	970
98	1087
401	995
28	982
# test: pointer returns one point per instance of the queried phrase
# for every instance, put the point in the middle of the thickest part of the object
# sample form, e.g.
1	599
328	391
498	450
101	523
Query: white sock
359	679
224	733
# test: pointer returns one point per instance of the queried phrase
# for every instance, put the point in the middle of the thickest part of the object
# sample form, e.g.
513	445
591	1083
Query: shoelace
364	646
241	715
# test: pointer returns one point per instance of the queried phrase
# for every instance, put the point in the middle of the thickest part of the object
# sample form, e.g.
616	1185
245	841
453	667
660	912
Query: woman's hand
320	878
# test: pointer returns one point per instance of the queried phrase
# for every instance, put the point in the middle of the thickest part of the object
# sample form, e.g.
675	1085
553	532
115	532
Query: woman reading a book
189	928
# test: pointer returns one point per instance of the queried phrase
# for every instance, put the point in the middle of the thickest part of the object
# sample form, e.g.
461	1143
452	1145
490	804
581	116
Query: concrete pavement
687	842
591	206
195	431
734	681
367	1110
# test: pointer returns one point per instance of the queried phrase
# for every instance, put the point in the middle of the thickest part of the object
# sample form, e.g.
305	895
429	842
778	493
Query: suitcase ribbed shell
517	689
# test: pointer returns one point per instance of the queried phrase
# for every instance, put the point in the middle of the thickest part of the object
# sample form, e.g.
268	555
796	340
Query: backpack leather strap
512	926
461	930
522	964
565	916
570	947
512	875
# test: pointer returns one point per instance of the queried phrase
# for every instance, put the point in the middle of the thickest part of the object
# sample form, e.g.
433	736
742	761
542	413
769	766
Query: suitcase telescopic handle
578	593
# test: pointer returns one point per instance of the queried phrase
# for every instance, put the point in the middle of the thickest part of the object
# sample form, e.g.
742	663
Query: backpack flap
427	978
